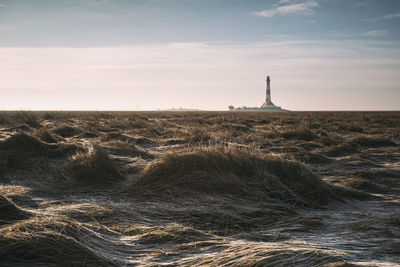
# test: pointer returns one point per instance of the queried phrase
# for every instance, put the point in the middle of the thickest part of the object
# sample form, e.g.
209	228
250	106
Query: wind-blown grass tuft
93	167
10	212
234	172
48	242
22	150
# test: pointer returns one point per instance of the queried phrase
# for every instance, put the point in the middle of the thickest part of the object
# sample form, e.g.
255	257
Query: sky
199	54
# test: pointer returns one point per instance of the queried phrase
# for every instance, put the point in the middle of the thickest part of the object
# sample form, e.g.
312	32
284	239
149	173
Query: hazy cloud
388	16
299	8
392	16
374	33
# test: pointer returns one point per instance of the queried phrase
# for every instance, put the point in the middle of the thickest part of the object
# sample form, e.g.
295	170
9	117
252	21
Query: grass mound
21	150
93	167
299	134
10	212
22	141
67	131
37	242
44	135
233	172
373	141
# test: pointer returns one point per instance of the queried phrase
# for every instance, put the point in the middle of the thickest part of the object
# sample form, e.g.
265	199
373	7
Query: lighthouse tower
268	103
266	106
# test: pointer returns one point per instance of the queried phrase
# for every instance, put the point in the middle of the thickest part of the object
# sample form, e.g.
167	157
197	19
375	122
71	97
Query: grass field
199	188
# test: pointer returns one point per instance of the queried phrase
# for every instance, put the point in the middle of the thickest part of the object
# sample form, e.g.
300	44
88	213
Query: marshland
199	188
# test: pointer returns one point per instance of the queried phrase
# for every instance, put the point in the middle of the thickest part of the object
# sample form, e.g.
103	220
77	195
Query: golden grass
51	242
215	170
92	167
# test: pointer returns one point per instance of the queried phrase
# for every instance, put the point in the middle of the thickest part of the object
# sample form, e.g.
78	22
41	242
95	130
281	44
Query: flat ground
200	188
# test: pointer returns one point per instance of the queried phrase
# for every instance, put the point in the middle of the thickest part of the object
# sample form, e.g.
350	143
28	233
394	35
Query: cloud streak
392	16
374	33
385	17
305	8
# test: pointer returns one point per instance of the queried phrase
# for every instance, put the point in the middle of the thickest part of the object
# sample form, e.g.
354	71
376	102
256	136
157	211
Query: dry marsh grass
10	212
92	167
40	242
216	170
21	150
199	188
44	135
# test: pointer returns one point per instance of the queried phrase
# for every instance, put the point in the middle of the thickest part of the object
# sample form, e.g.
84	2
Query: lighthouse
268	103
266	106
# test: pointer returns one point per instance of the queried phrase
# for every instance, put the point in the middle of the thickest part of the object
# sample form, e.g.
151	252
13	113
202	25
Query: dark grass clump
67	131
10	212
356	129
372	142
192	135
89	135
311	158
44	135
343	150
377	225
236	127
22	141
359	183
29	118
197	135
330	141
22	150
93	167
3	119
305	134
301	132
52	242
234	172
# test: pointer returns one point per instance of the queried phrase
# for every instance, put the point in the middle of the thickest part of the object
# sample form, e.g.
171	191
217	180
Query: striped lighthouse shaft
268	99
